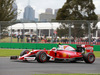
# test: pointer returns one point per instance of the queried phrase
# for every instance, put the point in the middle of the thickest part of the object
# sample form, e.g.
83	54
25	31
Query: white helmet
54	48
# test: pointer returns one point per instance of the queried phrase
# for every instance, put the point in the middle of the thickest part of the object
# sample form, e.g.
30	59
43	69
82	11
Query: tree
62	30
8	13
78	10
7	10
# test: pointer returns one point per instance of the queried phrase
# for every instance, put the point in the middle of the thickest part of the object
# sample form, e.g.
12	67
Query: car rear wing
87	48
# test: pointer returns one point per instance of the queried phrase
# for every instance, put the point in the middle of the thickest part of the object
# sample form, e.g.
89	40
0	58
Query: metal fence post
52	32
69	33
36	32
11	33
89	32
23	35
0	30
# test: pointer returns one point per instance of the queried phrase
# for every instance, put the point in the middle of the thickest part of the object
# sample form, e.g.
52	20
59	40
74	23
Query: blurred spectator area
46	32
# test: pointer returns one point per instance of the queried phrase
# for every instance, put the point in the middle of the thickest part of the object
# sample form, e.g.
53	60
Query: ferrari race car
62	53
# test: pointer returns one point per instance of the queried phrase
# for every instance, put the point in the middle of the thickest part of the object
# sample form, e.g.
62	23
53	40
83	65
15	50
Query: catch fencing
64	31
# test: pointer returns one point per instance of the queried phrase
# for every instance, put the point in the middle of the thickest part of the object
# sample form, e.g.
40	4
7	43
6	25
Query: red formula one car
62	53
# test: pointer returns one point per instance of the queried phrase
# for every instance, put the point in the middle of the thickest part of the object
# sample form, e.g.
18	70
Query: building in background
29	13
49	11
44	29
47	16
55	12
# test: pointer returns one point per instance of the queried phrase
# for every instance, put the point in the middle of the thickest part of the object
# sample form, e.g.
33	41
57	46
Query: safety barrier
37	46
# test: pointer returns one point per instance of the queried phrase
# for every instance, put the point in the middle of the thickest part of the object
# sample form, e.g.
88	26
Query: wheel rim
91	58
43	57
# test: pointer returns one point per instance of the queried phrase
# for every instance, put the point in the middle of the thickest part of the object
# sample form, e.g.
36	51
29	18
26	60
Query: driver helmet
54	48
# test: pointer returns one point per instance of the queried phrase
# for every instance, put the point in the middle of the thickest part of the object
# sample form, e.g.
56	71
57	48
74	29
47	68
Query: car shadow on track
64	62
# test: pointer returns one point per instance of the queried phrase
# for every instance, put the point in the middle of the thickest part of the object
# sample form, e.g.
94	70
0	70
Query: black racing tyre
89	57
24	52
41	57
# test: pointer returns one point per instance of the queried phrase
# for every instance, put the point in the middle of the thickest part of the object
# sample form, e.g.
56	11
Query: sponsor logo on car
48	52
64	55
89	48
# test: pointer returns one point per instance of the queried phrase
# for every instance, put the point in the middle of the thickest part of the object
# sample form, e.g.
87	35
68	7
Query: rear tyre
89	57
41	57
24	52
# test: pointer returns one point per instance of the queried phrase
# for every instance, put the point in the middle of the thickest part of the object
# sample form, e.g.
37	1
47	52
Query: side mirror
44	49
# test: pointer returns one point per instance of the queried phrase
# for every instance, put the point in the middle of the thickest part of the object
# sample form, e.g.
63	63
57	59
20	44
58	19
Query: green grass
12	52
8	39
9	52
97	53
66	74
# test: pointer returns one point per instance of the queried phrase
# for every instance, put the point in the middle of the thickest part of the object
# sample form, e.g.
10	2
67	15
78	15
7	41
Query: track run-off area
9	67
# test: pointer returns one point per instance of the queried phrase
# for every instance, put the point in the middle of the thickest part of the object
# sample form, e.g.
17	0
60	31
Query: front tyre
41	57
89	57
24	52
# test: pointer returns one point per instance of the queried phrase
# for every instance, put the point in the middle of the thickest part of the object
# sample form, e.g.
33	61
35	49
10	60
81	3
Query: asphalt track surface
8	67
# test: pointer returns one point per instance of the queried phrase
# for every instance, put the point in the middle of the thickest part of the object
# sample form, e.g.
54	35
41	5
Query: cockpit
63	47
